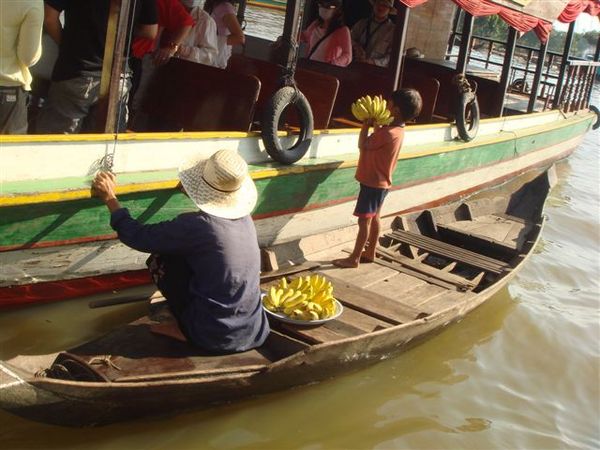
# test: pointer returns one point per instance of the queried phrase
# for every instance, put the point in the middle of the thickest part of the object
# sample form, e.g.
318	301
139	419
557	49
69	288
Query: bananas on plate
304	298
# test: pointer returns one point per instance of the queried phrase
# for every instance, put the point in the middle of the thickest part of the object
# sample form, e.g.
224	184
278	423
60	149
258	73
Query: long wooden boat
433	267
55	241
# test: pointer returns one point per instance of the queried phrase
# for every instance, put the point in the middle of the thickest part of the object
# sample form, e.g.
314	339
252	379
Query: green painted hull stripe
49	222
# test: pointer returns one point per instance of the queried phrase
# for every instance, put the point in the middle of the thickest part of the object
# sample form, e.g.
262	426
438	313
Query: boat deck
413	277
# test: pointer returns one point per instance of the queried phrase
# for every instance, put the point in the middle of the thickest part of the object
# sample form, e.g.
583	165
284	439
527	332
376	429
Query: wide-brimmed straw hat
220	185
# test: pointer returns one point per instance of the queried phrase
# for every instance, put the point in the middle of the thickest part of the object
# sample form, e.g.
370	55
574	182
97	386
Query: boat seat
503	232
319	89
186	96
428	87
447	250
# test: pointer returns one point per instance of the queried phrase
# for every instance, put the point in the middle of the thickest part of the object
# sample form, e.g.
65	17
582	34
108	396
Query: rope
108	160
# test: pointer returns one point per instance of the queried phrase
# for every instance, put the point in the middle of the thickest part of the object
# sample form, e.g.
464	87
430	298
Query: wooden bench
441	248
429	88
186	96
319	89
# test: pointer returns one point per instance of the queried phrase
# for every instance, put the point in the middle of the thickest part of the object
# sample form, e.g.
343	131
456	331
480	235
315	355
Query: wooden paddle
264	276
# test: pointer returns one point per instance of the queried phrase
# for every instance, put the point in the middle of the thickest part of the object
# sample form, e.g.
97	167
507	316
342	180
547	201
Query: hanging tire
281	99
467	116
597	112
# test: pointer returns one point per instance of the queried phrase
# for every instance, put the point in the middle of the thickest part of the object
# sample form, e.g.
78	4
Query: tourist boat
433	267
55	240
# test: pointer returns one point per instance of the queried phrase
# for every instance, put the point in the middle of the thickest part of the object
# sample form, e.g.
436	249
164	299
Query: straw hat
220	185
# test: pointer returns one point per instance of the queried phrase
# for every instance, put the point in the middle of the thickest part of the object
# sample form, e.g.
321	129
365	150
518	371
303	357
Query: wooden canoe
433	267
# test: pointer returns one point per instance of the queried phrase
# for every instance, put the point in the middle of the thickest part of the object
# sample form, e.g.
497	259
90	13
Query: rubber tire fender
281	99
466	102
597	112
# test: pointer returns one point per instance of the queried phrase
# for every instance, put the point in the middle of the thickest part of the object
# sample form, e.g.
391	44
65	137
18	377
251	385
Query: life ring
467	116
281	99
597	112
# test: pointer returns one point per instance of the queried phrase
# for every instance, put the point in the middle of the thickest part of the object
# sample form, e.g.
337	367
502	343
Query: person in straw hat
372	36
206	263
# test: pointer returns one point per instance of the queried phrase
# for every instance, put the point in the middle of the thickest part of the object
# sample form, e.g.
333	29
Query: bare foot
365	258
169	329
345	263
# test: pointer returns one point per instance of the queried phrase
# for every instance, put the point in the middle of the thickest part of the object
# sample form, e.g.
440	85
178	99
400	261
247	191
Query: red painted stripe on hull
52	291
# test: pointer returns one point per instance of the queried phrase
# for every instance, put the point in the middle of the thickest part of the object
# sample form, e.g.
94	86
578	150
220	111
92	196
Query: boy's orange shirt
377	161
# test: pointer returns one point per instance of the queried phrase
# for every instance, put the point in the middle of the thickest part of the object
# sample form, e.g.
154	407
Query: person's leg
172	277
361	239
69	103
371	246
13	110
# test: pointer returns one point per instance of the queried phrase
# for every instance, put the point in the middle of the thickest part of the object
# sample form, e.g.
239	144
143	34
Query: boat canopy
526	15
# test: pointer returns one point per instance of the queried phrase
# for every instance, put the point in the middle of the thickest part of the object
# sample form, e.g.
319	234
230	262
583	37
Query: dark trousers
172	276
13	110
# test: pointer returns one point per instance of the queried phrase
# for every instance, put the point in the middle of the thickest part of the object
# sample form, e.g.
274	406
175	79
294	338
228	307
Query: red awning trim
576	7
518	20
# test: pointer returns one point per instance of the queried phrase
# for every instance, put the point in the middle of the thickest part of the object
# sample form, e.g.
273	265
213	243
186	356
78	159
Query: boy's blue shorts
369	201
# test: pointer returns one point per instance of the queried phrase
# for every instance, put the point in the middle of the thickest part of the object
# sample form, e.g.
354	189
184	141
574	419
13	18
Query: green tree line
495	28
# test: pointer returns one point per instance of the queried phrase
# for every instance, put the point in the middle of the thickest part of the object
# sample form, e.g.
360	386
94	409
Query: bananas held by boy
304	298
372	108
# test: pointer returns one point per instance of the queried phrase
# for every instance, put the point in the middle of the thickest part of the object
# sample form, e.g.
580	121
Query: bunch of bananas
372	108
304	298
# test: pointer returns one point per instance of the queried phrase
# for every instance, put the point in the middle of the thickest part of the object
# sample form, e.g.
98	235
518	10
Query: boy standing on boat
205	263
376	163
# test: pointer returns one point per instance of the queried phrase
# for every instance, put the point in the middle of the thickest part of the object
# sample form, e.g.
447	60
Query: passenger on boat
372	37
174	23
20	48
206	263
71	106
229	30
376	164
327	37
201	44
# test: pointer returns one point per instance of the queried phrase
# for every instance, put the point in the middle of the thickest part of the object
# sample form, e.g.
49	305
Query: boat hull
57	243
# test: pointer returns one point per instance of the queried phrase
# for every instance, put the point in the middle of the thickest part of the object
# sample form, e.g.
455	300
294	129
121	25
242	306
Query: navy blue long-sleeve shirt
224	311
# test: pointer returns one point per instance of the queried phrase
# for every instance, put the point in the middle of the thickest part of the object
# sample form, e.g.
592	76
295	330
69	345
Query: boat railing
488	53
579	82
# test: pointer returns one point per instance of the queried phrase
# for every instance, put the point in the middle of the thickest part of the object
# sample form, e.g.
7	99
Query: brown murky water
522	371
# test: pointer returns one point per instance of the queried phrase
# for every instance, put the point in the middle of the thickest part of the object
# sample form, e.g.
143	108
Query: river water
522	371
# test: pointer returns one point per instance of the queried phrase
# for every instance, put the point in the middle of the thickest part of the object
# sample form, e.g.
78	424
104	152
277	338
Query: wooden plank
370	303
311	335
413	273
435	245
357	320
451	251
364	275
460	282
290	270
441	302
396	286
421	294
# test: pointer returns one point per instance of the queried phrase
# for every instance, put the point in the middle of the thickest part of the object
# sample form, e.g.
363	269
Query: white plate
283	318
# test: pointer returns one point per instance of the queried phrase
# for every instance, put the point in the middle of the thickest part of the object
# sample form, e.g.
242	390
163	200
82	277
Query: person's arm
237	34
52	23
163	237
343	48
168	50
146	22
29	47
146	31
364	134
205	49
